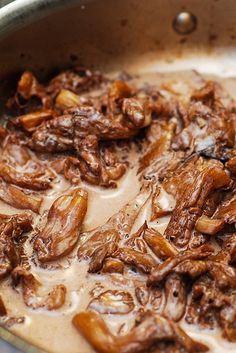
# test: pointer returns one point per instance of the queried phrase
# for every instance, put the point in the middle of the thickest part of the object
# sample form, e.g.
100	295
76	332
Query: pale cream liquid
53	331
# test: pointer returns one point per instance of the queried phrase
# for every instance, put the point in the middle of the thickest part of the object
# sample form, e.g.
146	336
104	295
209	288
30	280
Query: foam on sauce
53	331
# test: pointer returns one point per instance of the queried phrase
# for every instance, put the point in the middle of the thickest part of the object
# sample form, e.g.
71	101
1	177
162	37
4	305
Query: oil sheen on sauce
53	331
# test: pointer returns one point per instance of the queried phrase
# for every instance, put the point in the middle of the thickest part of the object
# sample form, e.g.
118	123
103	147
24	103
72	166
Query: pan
132	35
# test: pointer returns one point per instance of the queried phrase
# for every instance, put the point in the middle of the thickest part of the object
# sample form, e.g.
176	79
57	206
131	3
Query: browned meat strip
82	127
11	228
206	177
209	129
161	271
152	330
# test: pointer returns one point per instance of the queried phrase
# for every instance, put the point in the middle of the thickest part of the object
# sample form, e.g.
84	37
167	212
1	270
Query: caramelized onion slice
31	121
67	99
158	244
208	225
113	266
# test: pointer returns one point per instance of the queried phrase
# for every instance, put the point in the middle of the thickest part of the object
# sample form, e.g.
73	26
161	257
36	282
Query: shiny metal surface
12	344
185	23
111	35
131	35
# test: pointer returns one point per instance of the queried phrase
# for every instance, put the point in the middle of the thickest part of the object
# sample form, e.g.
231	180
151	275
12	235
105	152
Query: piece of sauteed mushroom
64	221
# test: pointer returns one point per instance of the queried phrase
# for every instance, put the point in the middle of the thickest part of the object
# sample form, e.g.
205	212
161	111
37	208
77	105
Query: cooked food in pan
118	212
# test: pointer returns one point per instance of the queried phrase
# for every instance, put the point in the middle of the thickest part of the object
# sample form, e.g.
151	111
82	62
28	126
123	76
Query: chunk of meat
224	274
14	152
136	242
177	181
30	286
64	221
161	271
206	177
11	228
227	318
160	160
132	241
209	130
81	129
195	267
152	330
210	305
229	248
149	298
212	203
138	111
112	302
98	166
63	133
21	222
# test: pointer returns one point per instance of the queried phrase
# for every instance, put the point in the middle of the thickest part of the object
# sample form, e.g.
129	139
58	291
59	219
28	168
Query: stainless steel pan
131	35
